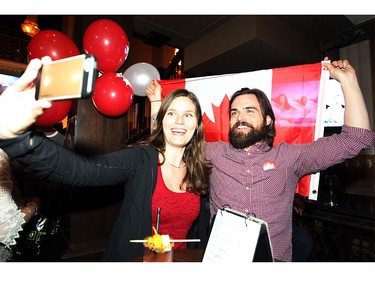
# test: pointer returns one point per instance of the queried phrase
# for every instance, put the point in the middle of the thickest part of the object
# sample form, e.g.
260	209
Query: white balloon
140	76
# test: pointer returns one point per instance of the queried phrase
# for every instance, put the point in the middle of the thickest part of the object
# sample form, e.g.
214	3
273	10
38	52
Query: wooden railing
13	48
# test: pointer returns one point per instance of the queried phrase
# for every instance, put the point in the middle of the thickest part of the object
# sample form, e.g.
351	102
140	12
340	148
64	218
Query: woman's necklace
174	166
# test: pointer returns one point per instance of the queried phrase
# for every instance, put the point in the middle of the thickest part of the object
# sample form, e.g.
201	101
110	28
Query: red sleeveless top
178	211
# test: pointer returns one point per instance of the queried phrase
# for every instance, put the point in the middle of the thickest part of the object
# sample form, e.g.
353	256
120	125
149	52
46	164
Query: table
185	255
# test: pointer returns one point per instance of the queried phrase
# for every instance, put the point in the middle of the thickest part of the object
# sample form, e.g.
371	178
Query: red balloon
56	113
51	43
113	94
108	42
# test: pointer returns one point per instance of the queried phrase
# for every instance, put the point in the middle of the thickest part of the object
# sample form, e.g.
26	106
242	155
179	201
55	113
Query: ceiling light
30	26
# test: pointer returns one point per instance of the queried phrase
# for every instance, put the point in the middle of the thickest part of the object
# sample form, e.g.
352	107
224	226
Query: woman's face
282	99
180	122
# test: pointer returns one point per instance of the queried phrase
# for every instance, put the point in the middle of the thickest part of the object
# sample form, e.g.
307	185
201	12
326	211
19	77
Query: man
252	176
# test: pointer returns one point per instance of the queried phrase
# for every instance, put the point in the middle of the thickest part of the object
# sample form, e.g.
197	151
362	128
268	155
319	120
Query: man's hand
340	69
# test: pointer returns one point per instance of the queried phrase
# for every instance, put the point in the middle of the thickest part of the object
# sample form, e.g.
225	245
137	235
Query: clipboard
237	237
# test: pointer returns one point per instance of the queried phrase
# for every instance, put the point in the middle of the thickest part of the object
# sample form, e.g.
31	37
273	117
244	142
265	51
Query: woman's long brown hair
197	167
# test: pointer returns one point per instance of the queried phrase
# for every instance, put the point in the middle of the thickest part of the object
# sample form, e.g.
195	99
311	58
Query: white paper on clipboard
234	237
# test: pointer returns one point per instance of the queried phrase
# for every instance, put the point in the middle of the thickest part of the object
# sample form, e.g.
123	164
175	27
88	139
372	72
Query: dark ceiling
183	30
311	33
11	24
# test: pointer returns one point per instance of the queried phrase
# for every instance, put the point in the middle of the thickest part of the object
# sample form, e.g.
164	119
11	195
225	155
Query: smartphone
68	78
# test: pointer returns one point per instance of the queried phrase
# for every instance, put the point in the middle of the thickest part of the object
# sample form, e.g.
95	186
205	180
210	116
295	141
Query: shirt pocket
273	182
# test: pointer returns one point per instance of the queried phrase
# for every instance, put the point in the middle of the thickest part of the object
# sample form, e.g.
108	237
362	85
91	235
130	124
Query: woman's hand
18	107
153	91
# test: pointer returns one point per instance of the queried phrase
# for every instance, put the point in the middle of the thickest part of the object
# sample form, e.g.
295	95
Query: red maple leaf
218	130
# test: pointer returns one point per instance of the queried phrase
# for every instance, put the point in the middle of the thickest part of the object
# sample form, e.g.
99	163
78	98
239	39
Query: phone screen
67	78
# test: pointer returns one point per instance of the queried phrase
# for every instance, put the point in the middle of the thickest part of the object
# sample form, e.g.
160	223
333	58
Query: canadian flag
299	120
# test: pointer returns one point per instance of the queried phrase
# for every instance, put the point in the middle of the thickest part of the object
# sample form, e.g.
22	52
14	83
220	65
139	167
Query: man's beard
241	140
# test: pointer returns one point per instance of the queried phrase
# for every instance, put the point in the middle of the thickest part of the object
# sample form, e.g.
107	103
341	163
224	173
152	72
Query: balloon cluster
107	41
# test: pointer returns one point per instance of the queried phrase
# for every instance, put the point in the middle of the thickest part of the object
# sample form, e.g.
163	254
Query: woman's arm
153	93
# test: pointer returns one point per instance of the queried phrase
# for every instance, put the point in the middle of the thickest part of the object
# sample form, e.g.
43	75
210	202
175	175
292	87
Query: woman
13	212
168	171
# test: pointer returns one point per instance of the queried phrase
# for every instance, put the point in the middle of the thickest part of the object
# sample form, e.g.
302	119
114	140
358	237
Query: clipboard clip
246	217
223	208
249	217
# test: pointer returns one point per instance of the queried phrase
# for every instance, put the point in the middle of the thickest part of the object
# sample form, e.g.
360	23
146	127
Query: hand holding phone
68	78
